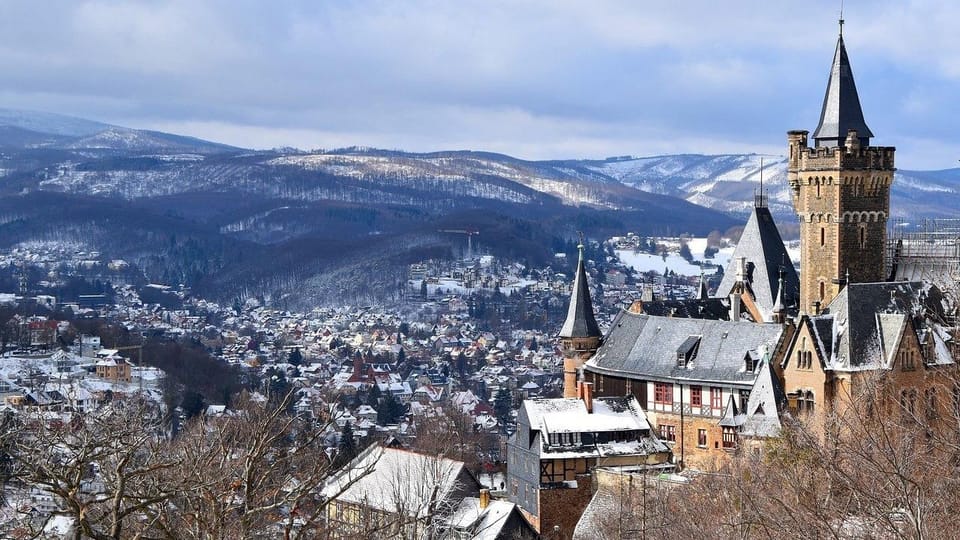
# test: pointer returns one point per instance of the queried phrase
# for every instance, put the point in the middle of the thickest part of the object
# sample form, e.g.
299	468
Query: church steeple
580	334
841	110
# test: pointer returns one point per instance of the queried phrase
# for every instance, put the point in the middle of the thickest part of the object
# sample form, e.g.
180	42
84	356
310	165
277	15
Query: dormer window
687	350
749	362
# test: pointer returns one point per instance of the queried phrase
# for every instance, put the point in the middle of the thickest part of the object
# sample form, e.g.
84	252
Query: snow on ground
646	262
454	286
721	258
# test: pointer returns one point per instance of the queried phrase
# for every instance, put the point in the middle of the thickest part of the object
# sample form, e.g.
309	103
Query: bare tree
101	468
883	465
258	472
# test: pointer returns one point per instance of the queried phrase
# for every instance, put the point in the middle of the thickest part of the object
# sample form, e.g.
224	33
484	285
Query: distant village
456	343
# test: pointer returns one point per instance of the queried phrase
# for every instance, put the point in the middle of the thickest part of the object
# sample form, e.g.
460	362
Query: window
908	402
663	393
863	237
716	398
907	360
668	432
931	398
823	236
744	399
804	360
701	438
696	396
818	188
823	292
802	401
729	437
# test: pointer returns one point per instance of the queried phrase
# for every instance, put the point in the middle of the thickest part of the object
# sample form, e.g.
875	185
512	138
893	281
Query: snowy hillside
728	183
724	182
54	124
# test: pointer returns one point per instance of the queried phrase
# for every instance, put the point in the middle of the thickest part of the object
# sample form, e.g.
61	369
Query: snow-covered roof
393	481
482	524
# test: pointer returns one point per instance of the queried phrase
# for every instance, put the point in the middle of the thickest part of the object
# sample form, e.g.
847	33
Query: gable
804	353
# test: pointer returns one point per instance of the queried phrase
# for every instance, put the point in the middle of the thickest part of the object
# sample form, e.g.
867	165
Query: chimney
741	269
587	396
734	306
484	498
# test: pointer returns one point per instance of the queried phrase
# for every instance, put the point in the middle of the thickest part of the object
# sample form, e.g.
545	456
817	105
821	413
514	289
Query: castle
789	346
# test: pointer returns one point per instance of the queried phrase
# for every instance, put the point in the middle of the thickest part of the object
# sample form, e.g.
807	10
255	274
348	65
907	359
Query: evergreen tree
423	289
390	410
373	396
191	404
295	358
461	364
347	449
502	407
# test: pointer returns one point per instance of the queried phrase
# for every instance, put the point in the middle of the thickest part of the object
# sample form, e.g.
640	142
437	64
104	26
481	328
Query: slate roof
841	105
645	347
708	308
863	325
767	399
580	319
765	253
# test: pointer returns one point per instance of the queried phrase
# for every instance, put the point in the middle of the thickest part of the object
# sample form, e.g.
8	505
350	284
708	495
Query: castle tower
580	335
841	193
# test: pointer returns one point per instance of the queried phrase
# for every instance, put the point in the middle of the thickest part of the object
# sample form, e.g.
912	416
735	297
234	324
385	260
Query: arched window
931	399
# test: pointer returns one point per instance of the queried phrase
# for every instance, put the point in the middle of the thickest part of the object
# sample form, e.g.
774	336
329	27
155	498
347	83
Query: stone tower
580	335
841	193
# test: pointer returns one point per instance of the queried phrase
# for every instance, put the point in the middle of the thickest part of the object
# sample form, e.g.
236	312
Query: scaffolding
926	251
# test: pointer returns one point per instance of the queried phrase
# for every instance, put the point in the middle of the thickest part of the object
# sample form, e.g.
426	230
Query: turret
841	192
580	334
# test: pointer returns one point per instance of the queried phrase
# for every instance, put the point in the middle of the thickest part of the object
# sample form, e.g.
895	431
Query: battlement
850	156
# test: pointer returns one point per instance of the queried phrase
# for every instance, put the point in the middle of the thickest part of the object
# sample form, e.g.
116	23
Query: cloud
538	78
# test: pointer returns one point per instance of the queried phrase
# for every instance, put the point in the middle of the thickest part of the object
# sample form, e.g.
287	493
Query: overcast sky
538	79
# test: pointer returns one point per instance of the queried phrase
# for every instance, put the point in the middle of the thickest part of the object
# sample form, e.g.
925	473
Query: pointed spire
702	293
841	104
778	305
580	319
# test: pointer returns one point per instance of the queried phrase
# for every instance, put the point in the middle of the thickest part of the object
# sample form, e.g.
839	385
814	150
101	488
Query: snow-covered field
699	245
646	262
453	286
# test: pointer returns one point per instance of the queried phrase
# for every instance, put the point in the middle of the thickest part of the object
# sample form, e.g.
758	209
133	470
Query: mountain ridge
230	221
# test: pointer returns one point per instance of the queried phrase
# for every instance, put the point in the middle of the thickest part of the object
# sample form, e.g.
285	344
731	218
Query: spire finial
841	18
580	245
761	177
